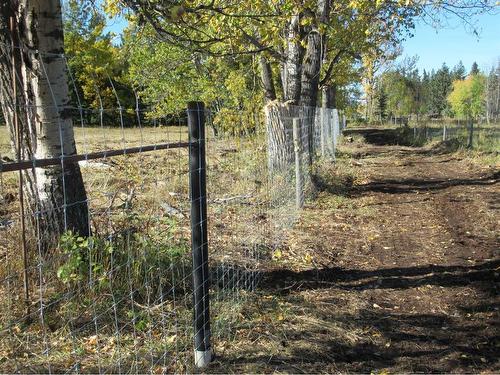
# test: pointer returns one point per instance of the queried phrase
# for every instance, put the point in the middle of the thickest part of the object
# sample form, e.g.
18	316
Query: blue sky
455	43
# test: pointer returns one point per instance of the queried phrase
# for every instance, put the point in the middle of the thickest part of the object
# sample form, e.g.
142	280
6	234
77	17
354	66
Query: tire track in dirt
454	231
408	283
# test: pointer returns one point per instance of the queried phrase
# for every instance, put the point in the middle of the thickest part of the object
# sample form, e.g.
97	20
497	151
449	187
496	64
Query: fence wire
482	135
291	158
119	297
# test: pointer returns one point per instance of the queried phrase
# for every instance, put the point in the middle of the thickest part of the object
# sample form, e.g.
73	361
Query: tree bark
59	199
267	79
292	68
300	73
329	96
8	101
309	86
279	125
310	70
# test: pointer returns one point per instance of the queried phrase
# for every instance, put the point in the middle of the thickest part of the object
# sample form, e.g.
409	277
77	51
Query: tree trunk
17	110
310	83
267	79
10	103
292	68
310	70
301	76
59	199
279	126
329	96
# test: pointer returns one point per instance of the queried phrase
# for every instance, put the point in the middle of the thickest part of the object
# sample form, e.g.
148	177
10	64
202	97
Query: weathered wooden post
199	236
322	131
299	181
471	134
444	132
331	133
335	131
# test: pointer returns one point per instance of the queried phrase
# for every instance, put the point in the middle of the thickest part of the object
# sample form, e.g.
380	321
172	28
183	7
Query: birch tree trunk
279	118
59	200
292	68
7	70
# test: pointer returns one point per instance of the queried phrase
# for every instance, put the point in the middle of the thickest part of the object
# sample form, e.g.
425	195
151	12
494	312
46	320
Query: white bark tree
56	194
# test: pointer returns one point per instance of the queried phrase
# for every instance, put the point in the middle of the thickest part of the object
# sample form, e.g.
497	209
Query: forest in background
143	71
401	90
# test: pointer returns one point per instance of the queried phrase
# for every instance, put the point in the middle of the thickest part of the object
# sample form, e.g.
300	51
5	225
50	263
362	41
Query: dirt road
398	272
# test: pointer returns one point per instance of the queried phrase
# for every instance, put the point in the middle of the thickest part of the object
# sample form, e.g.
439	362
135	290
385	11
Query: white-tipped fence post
199	237
297	147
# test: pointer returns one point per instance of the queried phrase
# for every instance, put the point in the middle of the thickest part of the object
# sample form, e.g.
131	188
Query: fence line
466	133
271	201
121	255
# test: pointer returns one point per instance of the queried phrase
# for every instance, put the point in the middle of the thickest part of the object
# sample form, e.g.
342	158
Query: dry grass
128	194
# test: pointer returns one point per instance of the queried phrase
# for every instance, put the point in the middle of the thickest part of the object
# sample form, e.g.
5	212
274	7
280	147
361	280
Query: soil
397	272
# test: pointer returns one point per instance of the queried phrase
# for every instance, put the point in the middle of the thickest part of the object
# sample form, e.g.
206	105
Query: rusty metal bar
19	143
40	163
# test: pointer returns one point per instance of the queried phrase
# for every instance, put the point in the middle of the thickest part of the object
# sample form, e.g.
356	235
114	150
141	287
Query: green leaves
467	99
75	249
93	59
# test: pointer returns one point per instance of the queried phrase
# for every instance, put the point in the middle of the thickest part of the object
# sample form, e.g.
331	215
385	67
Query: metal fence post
199	238
299	188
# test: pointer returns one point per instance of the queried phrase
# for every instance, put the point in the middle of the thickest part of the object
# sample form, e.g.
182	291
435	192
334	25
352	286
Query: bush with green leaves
128	261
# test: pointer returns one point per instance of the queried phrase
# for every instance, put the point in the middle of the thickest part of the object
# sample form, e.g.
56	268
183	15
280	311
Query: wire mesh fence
466	133
113	233
297	137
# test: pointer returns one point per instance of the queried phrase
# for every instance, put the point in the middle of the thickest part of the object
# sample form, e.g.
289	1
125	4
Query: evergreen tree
439	88
474	70
458	71
424	93
493	94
